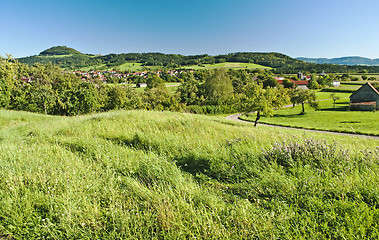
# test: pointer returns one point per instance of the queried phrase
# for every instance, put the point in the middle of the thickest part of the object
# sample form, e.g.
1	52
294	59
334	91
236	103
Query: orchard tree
302	96
334	97
260	100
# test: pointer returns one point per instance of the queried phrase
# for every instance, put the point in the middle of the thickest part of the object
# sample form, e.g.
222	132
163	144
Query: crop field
165	175
338	119
234	65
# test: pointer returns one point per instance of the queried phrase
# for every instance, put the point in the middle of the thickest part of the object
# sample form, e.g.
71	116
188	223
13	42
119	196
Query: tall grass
163	175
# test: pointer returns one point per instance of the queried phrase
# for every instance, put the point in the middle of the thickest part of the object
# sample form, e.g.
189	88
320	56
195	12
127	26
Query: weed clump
317	154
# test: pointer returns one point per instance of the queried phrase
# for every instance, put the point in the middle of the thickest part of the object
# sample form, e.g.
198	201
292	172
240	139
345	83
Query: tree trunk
302	105
257	119
44	106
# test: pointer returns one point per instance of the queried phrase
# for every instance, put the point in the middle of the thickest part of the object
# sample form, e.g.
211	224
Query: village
105	75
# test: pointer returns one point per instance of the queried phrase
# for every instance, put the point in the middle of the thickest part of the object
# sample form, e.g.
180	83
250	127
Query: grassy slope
144	175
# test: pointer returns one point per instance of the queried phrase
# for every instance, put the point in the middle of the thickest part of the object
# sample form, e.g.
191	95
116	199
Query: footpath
235	117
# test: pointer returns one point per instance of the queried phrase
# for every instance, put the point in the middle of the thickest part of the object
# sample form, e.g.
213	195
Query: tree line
52	91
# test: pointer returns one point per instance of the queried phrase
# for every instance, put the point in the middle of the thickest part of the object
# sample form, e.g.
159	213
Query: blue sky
298	28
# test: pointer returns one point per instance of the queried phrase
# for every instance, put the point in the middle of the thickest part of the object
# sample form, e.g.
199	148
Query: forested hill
59	50
71	59
343	61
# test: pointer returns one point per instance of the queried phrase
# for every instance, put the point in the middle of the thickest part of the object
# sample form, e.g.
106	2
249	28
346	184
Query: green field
171	87
132	67
165	175
129	66
337	119
326	95
233	65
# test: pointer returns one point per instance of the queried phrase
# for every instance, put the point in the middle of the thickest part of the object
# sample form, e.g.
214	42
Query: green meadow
328	117
128	66
165	175
234	65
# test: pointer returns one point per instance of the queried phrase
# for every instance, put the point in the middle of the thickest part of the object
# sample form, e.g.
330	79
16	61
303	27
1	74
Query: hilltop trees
281	63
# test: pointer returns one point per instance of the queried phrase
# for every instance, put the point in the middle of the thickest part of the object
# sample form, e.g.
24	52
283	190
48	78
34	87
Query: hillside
280	63
181	176
343	61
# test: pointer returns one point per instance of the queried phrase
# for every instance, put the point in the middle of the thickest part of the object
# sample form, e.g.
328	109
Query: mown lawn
338	119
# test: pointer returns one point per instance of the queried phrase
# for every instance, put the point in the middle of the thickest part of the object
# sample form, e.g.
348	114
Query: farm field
181	176
135	67
326	95
129	66
234	65
337	119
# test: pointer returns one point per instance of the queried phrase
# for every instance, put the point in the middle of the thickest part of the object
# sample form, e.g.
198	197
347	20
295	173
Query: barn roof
364	103
368	84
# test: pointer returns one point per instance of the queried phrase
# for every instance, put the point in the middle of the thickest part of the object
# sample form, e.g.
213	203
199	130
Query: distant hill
71	59
59	50
343	61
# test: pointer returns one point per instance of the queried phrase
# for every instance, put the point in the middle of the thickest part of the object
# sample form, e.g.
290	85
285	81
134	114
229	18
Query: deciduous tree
261	100
302	96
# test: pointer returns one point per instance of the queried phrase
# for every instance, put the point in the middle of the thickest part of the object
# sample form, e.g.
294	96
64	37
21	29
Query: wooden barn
366	98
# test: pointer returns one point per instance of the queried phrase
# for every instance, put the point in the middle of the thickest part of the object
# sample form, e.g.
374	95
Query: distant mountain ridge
354	60
71	59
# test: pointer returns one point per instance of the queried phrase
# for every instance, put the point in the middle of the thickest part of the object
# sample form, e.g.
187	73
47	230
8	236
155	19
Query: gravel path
235	117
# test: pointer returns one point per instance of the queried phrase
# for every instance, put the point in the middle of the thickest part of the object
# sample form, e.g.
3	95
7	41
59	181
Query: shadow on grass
194	164
293	115
336	109
138	142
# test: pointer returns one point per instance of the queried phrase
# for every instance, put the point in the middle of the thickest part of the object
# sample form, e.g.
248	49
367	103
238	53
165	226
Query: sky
298	28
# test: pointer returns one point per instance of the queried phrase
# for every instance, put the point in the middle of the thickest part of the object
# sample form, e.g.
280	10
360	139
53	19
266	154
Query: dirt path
235	117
